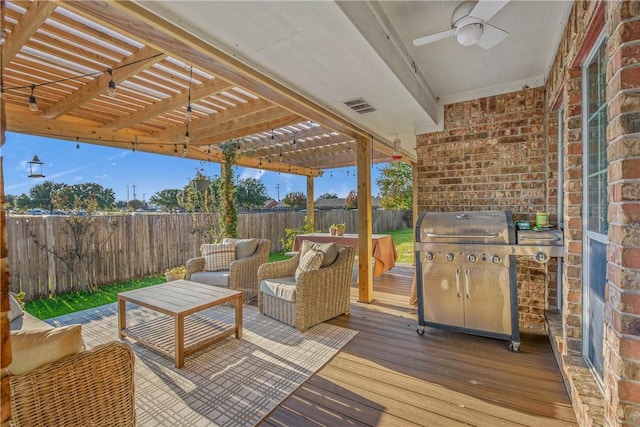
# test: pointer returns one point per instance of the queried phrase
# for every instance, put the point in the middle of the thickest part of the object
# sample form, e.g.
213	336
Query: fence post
51	259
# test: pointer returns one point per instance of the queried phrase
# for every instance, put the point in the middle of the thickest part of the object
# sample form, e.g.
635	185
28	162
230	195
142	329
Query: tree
396	186
167	199
135	204
296	200
251	192
43	195
67	196
351	202
327	196
23	202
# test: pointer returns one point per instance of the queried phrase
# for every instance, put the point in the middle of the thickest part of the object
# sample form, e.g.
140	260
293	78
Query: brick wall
492	155
622	310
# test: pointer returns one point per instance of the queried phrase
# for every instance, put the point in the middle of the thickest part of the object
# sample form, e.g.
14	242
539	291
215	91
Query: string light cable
33	104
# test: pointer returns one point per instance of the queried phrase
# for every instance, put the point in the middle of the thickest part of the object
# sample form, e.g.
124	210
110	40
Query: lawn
76	301
82	300
403	239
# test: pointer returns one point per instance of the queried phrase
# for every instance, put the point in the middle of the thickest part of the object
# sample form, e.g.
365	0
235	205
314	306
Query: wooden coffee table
178	300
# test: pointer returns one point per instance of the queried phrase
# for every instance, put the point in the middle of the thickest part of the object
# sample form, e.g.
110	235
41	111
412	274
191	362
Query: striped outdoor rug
231	383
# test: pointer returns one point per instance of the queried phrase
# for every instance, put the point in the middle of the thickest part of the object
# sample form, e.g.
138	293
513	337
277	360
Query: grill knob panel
449	257
428	256
496	259
472	258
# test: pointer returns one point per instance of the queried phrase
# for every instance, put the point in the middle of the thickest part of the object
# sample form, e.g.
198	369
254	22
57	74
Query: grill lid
467	227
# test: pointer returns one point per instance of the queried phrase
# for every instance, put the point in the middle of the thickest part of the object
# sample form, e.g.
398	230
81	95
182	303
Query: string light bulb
184	149
33	104
280	156
111	91
189	114
294	143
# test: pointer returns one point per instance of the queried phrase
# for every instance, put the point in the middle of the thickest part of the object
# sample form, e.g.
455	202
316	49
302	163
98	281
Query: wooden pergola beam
132	65
24	29
275	122
198	92
242	116
83	131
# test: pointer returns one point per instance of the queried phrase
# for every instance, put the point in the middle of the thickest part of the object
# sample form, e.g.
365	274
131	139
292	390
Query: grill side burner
463	283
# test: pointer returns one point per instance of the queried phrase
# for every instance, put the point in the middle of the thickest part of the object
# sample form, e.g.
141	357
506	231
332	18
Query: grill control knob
428	256
472	258
496	259
449	257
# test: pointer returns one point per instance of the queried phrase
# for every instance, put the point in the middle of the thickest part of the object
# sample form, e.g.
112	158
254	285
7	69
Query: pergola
113	74
67	55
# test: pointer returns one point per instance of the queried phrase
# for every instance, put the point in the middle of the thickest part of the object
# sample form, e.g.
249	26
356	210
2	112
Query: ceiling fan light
469	34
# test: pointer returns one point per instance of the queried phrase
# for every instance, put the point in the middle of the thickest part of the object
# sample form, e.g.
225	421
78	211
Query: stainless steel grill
466	270
463	282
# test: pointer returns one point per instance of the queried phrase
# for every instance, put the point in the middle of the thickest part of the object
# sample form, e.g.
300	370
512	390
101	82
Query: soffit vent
359	105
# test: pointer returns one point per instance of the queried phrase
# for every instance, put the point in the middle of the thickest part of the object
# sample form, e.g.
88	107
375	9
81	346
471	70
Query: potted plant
176	273
201	181
340	229
333	230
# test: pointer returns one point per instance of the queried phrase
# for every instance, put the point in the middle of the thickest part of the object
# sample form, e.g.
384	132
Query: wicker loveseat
87	388
314	297
242	274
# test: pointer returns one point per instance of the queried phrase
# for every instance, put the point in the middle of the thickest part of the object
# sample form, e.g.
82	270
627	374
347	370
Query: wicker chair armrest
194	265
284	268
94	387
246	269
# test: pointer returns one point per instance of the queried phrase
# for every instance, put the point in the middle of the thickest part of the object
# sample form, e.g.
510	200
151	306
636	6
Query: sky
121	170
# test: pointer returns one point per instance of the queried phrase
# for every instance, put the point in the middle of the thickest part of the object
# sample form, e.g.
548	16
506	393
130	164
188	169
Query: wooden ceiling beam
36	14
285	120
19	120
210	127
198	92
137	62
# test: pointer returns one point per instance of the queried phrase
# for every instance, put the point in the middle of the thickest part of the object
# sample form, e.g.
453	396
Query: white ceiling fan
469	25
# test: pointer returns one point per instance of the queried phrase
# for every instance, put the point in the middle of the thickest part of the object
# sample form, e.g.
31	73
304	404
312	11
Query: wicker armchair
94	387
319	295
242	274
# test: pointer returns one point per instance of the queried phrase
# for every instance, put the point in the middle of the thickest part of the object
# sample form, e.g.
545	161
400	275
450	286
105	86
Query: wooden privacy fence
134	246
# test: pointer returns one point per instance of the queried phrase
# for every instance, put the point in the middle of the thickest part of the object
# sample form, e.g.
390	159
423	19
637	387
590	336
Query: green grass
278	256
403	239
75	301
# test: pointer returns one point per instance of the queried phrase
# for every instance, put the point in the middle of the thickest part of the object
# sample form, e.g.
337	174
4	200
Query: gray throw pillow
244	247
329	251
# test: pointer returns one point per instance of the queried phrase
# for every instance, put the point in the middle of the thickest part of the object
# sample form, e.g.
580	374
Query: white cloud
250	173
120	155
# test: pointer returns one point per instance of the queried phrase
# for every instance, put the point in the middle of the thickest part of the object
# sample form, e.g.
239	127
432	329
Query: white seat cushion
214	278
282	287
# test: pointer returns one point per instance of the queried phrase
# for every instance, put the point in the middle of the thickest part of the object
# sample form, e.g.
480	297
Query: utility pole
134	191
278	190
127	194
143	198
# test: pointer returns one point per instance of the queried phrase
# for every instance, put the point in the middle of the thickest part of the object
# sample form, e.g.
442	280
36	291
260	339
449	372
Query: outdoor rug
232	382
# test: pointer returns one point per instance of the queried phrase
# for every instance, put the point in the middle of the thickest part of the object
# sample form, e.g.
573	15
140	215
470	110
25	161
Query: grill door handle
466	282
458	282
463	236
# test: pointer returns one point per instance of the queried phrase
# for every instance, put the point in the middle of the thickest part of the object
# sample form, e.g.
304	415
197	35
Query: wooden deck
391	376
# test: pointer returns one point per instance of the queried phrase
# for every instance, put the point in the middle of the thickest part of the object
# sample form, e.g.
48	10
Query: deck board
390	375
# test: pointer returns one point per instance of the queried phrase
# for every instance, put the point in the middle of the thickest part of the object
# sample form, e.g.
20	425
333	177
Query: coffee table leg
239	317
179	339
122	316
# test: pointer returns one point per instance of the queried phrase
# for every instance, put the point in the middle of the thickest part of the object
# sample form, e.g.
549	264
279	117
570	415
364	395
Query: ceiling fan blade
491	36
433	37
485	9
